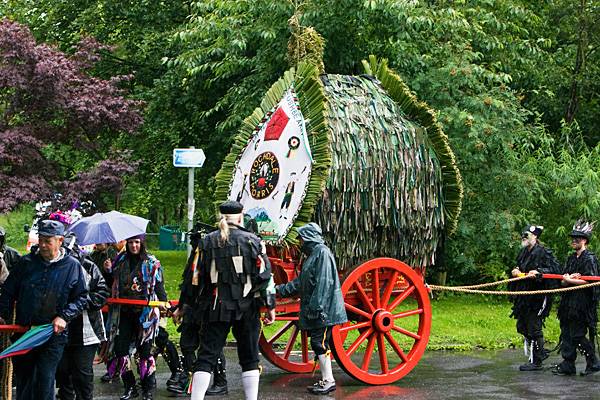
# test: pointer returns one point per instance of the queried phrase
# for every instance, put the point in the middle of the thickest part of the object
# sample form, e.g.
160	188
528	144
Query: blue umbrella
110	227
33	338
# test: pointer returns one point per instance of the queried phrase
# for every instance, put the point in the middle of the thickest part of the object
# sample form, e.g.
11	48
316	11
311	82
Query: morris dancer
232	276
530	311
138	276
321	301
577	311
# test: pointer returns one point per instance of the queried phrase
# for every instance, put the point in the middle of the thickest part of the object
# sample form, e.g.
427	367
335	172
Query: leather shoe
322	387
216	390
130	393
531	367
558	370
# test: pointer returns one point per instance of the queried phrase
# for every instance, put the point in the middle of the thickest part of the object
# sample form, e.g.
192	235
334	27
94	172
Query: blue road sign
188	158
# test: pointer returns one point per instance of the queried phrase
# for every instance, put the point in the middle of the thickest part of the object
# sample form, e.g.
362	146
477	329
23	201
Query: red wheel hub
383	321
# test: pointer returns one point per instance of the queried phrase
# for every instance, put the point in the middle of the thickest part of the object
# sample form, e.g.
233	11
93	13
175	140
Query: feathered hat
582	229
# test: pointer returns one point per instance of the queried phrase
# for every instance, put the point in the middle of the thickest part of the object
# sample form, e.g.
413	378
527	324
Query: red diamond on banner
276	125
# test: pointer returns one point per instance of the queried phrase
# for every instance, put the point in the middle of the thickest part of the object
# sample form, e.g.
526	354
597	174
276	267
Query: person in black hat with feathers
577	311
530	311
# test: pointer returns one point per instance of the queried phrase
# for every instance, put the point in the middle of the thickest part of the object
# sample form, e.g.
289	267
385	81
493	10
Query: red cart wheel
388	308
278	347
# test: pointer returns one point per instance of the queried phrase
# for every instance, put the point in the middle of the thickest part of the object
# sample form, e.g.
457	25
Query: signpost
189	158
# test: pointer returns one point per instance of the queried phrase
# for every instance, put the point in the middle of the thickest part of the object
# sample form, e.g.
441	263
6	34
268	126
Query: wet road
439	375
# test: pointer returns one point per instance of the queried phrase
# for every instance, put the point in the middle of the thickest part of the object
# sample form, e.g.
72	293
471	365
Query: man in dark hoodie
75	374
48	287
321	301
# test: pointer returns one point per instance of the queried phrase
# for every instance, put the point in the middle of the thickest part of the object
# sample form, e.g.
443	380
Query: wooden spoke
304	339
396	347
407	333
401	297
357	311
375	290
368	353
363	295
359	325
389	289
290	344
280	332
359	341
408	313
382	354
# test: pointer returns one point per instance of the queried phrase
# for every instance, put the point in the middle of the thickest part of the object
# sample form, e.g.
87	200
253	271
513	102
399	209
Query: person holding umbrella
137	275
48	287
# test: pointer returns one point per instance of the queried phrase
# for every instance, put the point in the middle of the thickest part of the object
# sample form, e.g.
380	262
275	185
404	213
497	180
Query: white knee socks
250	382
200	383
325	365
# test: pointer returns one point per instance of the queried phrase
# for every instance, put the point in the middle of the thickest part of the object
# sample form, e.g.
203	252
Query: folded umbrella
110	227
33	338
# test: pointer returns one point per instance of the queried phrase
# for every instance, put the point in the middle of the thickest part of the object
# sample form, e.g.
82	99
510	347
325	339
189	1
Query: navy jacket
44	291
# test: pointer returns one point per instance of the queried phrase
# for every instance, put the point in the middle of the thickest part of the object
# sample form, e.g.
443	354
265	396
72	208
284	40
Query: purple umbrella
110	227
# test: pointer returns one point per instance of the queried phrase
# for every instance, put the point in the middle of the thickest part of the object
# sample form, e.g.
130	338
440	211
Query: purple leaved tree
53	114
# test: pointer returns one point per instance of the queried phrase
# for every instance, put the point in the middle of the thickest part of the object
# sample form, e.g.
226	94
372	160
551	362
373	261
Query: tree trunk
579	70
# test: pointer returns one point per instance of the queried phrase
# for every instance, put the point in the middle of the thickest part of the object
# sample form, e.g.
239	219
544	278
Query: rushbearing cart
368	162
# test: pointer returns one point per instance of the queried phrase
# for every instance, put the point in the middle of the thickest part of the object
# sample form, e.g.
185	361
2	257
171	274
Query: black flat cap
50	228
231	207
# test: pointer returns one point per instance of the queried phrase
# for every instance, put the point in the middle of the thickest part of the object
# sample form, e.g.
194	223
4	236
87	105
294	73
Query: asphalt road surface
439	375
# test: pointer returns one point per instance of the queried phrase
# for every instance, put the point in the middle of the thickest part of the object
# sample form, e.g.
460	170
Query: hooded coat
318	285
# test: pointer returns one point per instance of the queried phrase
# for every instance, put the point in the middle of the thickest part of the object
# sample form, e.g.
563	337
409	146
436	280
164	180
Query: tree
57	120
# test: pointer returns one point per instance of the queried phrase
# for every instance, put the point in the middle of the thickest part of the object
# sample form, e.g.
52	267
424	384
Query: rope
510	293
6	366
519	278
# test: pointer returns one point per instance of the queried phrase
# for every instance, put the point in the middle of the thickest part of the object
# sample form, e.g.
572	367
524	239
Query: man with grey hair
48	287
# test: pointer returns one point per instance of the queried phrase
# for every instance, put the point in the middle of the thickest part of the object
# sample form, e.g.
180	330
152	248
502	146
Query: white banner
272	174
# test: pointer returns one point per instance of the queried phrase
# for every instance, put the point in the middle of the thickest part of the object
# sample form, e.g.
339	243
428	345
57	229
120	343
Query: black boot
219	385
148	386
537	349
180	387
172	358
130	388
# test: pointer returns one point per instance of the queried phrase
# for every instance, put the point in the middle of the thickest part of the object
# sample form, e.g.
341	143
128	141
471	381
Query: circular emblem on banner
264	175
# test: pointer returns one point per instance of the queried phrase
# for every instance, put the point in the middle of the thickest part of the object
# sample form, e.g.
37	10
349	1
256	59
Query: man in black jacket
530	311
48	287
9	257
577	312
75	374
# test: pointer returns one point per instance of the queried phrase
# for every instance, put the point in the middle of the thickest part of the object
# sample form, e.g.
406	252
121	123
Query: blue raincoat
318	285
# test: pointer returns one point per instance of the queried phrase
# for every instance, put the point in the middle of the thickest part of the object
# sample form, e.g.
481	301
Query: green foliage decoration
419	111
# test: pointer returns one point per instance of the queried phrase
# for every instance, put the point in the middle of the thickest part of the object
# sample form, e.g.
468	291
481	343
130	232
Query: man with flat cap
577	311
48	287
233	273
530	311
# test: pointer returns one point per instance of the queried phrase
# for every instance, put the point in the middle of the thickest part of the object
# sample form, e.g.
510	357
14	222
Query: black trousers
573	335
320	340
36	370
129	330
75	374
167	348
246	332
